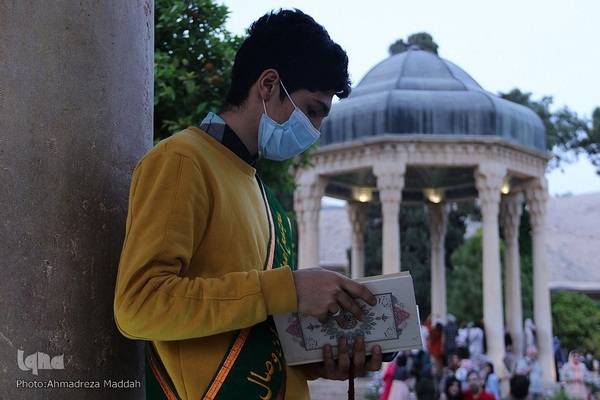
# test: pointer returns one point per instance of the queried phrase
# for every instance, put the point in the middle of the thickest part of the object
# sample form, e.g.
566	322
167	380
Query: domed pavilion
419	130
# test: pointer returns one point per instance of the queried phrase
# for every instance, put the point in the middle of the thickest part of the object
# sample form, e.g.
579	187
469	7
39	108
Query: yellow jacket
191	269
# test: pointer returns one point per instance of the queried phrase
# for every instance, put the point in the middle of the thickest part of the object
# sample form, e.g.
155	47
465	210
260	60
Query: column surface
488	180
390	182
537	198
437	218
75	117
357	214
307	204
511	210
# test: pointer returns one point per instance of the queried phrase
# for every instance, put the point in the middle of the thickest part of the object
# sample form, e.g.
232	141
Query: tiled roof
573	242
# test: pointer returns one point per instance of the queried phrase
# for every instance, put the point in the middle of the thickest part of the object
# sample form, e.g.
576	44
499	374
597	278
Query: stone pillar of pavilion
357	214
307	204
537	197
511	209
488	178
75	117
390	182
437	217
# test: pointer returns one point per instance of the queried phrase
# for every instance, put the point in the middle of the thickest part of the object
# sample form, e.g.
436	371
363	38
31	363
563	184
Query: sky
546	48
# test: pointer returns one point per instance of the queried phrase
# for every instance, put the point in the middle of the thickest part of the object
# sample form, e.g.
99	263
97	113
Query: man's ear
268	84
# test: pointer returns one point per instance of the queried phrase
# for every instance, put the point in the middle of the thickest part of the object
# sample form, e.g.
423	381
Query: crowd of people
452	365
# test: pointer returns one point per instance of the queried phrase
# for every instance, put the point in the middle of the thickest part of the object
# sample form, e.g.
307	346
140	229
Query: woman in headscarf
572	376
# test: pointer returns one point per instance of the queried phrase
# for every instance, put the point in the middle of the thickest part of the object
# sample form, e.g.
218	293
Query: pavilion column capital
437	216
358	215
536	194
308	194
511	209
488	180
390	181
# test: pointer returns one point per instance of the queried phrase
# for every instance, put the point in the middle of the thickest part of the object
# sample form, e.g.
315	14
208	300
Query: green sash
254	367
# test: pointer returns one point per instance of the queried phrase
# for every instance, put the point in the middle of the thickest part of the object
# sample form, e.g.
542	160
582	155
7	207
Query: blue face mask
283	141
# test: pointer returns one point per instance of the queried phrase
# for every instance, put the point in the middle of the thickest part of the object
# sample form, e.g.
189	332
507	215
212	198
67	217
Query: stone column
510	211
390	182
75	116
488	179
307	204
357	214
437	217
537	197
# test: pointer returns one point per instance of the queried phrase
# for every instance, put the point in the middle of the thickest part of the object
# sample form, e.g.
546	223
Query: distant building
573	242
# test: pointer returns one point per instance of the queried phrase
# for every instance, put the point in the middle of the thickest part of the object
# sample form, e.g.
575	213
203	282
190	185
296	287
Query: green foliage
193	56
526	260
576	321
415	246
567	135
422	39
560	394
465	281
373	241
591	143
415	253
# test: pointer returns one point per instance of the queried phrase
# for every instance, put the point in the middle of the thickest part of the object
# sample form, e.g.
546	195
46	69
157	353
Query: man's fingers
339	369
374	363
328	362
355	289
343	359
359	354
340	319
351	306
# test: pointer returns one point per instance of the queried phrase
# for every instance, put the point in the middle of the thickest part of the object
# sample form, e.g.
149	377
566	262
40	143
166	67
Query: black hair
401	359
519	386
473	372
295	45
449	382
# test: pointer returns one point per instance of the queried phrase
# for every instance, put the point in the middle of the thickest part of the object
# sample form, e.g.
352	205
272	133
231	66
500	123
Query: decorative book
393	323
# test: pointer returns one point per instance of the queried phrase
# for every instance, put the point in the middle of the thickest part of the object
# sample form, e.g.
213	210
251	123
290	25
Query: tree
193	56
466	266
465	281
422	39
576	321
591	143
567	135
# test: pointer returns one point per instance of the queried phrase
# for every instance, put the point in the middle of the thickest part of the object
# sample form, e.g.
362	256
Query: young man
207	256
476	390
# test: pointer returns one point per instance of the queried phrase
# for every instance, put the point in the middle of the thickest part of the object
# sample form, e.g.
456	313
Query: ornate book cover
393	323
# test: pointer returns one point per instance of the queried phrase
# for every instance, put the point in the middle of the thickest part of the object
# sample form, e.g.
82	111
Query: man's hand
340	370
323	293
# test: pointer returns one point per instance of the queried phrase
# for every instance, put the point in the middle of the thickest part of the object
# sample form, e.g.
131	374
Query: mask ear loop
286	92
265	106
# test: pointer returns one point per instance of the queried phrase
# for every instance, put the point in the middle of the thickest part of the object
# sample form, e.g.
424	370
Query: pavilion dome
417	92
